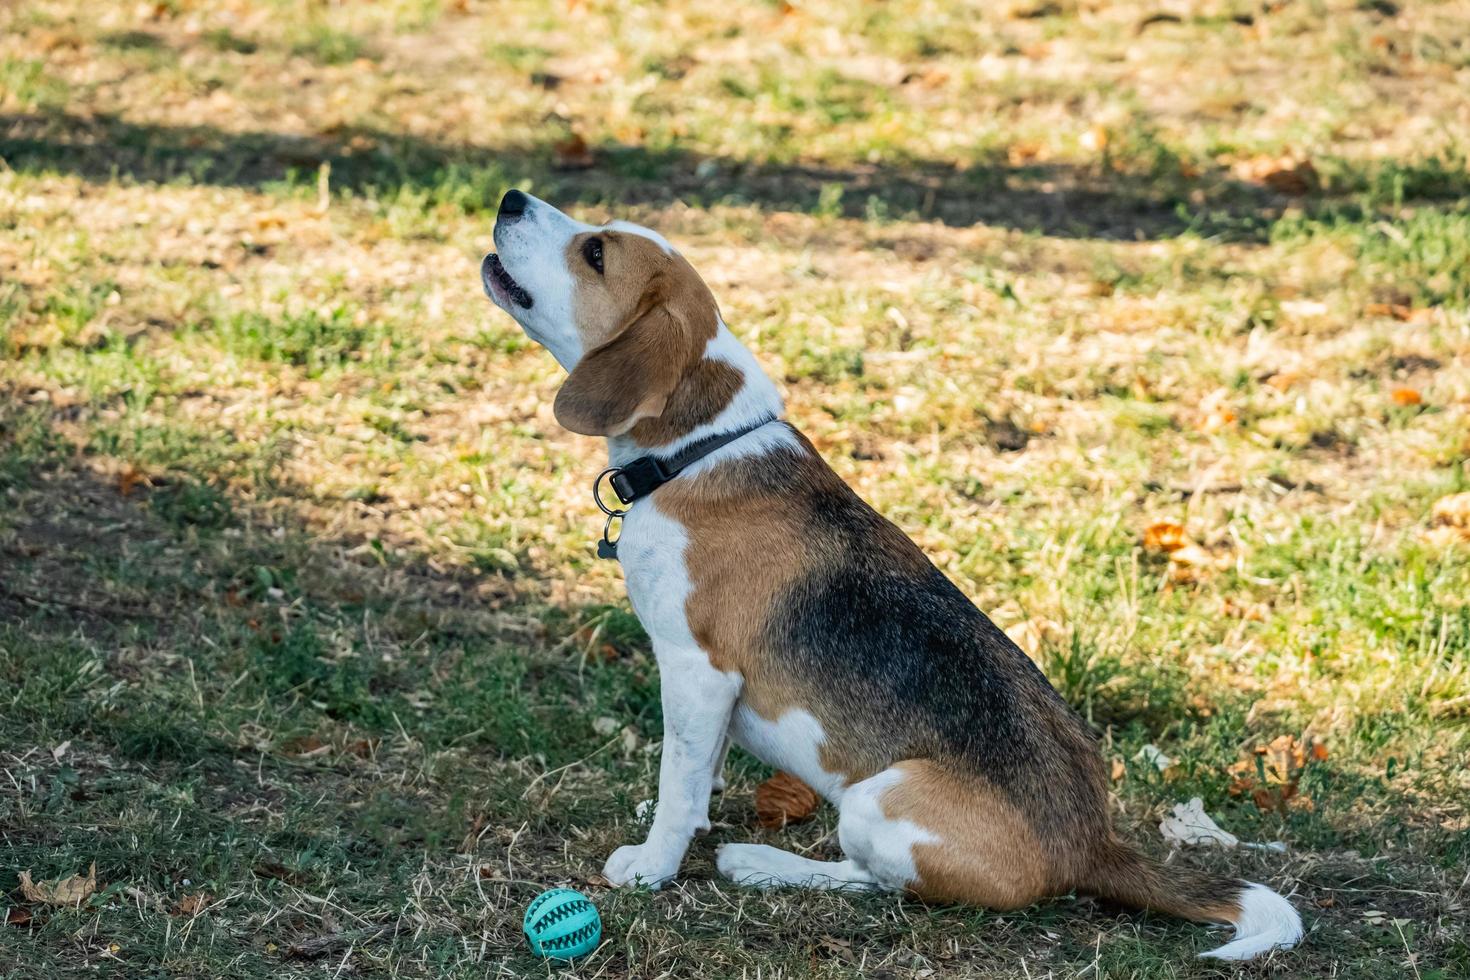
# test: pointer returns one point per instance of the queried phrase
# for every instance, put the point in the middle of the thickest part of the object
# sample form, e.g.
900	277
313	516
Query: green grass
25	84
298	605
327	44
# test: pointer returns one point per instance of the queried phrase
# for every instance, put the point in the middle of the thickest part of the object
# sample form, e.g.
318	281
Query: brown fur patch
699	397
644	322
987	853
744	548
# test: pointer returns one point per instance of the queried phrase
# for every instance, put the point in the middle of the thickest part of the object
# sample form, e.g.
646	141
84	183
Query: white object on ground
1190	825
1151	754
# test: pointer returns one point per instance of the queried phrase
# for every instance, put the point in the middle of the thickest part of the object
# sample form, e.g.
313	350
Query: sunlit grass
297	563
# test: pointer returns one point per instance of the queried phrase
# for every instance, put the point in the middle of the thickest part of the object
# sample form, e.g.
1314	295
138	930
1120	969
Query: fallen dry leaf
1397	311
587	638
1256	612
930	77
1188	561
306	747
783	799
1036	11
1028	151
192	905
1298	179
1189	825
71	891
364	748
1215	412
1452	511
572	153
631	740
1449	520
1198	557
17	917
1271	774
1216	420
1304	307
129	479
472	836
1164	538
1284	174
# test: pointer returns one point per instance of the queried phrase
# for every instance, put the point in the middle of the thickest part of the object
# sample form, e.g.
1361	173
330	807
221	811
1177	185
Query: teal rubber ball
562	924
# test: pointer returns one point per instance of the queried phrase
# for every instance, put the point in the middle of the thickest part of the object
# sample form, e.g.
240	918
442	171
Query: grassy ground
302	639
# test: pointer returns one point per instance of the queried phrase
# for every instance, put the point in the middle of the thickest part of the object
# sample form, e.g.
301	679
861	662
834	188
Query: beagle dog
789	617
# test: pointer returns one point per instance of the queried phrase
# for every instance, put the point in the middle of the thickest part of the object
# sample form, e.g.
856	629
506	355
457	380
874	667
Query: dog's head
625	314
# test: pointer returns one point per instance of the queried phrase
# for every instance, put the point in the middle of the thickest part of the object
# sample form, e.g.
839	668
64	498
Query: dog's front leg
697	702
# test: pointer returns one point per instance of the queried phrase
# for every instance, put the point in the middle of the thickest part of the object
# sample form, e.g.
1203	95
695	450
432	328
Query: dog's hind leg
878	850
761	866
947	837
912	827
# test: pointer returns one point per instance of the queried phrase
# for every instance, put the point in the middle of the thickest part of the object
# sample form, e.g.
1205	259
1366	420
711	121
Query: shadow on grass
253	706
292	627
1050	199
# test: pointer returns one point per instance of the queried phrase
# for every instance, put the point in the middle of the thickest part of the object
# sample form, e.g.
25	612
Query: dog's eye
592	252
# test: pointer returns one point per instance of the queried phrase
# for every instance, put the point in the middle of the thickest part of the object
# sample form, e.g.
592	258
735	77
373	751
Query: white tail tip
1267	921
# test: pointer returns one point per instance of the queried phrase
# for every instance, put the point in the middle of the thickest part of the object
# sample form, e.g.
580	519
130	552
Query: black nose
513	205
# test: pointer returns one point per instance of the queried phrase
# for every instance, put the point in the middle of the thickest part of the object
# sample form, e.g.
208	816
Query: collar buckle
639	477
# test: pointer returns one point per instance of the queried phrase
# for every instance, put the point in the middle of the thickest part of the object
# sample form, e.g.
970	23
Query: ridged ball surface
562	924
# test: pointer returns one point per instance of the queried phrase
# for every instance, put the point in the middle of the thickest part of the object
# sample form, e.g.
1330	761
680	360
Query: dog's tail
1263	920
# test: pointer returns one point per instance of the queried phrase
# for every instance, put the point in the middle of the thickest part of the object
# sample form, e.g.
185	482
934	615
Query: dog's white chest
651	550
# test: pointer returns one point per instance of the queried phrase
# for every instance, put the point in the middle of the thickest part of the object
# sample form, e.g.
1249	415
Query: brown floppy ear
628	378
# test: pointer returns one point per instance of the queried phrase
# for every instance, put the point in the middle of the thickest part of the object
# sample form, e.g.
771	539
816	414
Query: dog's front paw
641	864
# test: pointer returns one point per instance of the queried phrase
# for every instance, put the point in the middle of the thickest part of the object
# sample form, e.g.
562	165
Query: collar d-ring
608	546
607	474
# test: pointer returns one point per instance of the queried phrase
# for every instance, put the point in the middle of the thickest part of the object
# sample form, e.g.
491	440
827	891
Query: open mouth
497	280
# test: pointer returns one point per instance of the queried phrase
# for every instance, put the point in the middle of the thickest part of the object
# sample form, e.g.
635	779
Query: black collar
642	476
639	478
